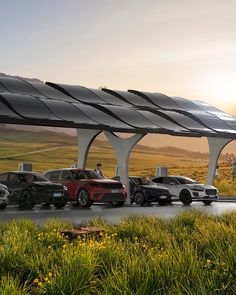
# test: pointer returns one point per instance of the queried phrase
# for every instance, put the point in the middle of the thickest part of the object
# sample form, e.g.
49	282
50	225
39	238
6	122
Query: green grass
193	253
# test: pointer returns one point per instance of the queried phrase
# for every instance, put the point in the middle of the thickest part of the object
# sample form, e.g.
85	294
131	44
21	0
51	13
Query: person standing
234	171
98	170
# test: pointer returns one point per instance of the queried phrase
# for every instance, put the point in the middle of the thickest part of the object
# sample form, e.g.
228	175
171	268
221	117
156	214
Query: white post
216	145
123	148
85	139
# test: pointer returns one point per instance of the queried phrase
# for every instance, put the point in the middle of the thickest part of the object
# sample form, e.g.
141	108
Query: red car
84	187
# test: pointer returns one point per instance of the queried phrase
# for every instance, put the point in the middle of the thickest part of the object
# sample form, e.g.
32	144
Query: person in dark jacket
98	170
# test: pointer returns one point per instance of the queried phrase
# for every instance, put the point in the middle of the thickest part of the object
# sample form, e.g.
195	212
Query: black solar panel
33	102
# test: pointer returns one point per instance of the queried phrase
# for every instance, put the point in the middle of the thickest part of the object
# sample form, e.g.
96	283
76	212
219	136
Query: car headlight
65	188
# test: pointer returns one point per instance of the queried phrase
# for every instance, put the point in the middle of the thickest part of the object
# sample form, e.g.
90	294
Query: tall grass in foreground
192	253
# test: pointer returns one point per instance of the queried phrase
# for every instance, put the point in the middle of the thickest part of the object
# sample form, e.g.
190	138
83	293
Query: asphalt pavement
40	214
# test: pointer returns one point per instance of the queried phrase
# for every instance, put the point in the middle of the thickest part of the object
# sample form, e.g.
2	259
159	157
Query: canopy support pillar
85	139
216	145
123	148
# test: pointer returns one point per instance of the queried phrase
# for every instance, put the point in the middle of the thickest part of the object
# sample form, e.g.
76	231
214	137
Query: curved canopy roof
49	104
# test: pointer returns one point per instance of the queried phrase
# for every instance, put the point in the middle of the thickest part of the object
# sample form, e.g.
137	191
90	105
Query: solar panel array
28	102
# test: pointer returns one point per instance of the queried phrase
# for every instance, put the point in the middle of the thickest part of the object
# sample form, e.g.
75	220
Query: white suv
187	189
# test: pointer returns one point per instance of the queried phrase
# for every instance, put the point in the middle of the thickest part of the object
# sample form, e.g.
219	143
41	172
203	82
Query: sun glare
223	89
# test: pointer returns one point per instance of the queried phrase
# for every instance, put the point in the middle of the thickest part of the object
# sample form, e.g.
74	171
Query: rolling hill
47	149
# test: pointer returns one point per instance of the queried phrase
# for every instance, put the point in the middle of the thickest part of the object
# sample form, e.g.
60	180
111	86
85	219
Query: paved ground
77	216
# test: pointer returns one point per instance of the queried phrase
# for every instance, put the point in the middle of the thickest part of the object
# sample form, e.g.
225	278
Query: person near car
234	171
98	170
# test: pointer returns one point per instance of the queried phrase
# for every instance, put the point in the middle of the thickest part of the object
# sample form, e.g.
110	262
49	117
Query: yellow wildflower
36	281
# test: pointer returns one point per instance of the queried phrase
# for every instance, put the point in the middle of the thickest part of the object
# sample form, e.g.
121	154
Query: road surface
114	215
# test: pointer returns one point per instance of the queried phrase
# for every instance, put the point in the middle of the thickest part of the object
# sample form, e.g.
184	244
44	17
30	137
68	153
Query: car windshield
185	180
28	177
84	174
142	181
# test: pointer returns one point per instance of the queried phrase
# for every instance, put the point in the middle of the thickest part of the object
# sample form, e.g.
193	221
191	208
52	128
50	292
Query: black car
144	191
30	188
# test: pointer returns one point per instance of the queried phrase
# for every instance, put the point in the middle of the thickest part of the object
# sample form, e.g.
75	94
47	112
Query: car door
14	185
172	185
68	180
132	186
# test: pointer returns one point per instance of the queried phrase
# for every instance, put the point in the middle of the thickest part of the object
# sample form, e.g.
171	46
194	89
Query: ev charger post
25	167
161	171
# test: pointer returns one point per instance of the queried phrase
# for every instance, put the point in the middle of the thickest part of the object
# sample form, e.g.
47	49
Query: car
187	189
85	187
4	196
30	188
144	191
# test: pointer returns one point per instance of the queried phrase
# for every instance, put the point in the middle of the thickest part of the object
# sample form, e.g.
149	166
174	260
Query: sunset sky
183	48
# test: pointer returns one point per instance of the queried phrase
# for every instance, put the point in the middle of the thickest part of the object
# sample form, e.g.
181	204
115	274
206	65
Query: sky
183	48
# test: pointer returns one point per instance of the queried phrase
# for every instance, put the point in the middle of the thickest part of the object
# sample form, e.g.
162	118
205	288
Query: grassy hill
47	150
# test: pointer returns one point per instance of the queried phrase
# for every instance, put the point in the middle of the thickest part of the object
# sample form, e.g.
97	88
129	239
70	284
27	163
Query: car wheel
185	197
27	200
3	206
84	200
117	204
59	205
207	202
139	199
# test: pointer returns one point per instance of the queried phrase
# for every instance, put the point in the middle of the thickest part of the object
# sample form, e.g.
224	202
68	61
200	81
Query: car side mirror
172	183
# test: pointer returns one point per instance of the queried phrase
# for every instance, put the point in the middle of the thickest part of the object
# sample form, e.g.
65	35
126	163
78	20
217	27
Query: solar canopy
29	102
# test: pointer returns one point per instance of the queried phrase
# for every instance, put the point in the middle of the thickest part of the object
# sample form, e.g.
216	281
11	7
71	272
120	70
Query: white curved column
216	145
85	139
123	148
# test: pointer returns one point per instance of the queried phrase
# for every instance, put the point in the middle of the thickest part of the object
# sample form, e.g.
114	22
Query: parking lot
39	214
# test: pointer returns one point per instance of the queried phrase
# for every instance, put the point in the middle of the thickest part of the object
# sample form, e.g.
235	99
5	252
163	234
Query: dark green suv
30	188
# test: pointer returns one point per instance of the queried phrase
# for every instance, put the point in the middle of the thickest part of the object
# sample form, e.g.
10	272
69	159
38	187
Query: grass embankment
191	254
